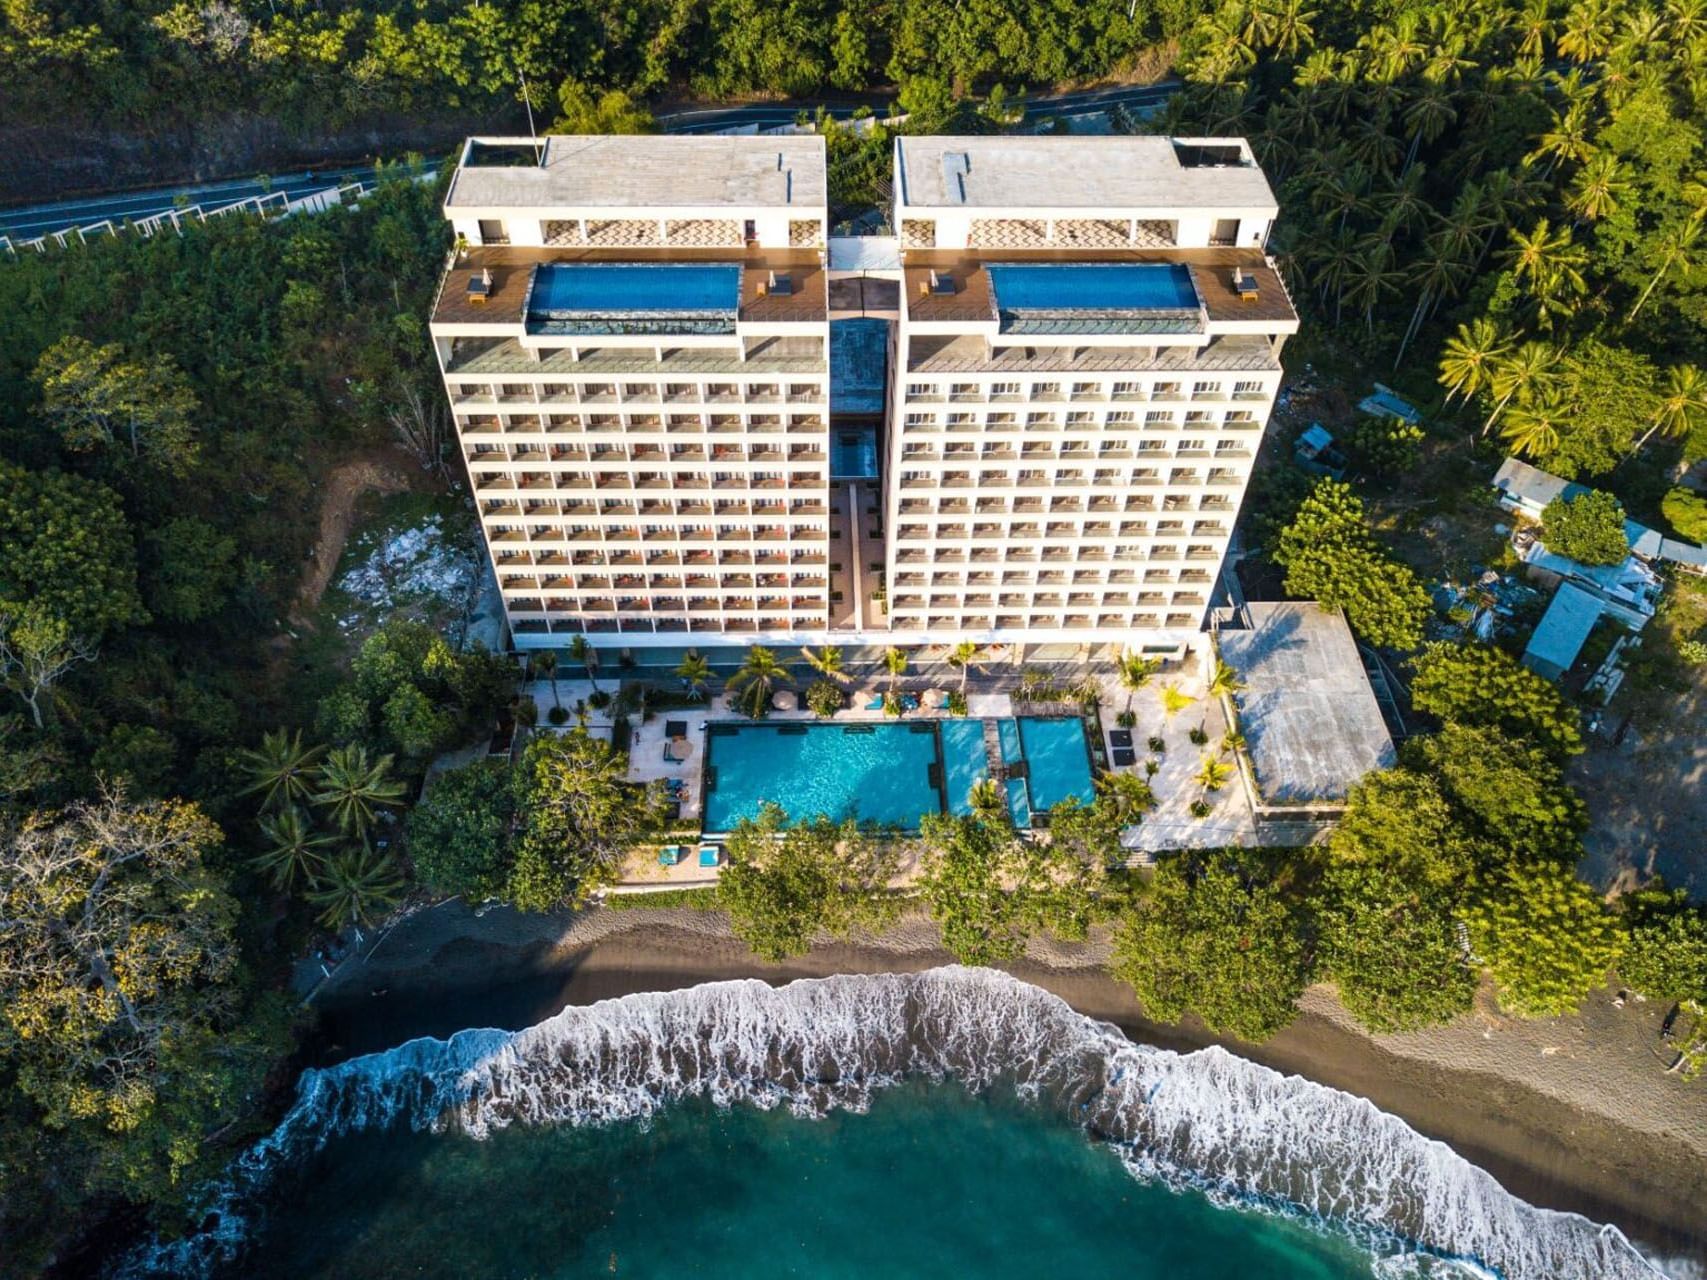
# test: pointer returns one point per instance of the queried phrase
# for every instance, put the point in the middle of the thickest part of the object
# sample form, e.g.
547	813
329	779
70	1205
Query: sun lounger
675	728
1125	756
876	704
1120	737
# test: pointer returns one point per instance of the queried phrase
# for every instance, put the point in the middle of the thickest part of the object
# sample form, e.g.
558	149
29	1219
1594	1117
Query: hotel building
691	418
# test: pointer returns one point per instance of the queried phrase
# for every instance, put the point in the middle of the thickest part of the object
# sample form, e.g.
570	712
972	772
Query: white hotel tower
691	418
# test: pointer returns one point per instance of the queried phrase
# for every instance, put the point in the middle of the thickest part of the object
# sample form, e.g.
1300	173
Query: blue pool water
876	772
963	761
600	288
1059	764
853	454
1100	287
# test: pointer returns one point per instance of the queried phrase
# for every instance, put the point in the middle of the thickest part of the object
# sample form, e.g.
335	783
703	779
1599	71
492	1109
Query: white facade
1044	480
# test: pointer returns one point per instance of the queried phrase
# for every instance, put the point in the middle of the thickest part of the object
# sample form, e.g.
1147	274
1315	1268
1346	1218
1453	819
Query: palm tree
1598	187
695	673
1587	32
895	661
1375	275
986	801
1681	408
587	656
757	679
1175	700
1551	266
1468	360
293	850
1677	251
355	886
1224	681
526	712
1134	671
545	664
827	662
1289	26
1232	742
281	767
1212	774
1428	114
355	788
1440	273
1128	794
1534	429
964	657
1526	376
1567	140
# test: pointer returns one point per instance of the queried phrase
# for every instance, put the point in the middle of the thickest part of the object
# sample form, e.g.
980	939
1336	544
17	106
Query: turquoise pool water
853	454
568	289
876	772
1058	762
887	772
963	761
1093	287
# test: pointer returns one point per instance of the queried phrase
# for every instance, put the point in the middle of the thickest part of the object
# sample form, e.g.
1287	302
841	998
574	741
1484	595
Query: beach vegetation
355	886
459	833
1479	685
989	888
1665	953
1589	528
578	818
1546	937
1389	944
1330	555
1215	937
786	882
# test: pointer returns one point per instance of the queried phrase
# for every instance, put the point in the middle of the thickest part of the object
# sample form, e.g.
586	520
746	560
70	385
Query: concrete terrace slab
1307	711
657	171
1123	172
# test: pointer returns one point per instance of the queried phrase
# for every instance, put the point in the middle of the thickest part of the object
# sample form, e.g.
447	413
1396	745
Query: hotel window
1248	388
1206	389
1081	419
1121	418
1122	390
1003	389
1158	419
919	419
1045	390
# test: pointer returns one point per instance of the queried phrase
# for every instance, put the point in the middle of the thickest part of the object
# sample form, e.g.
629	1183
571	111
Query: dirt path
383	473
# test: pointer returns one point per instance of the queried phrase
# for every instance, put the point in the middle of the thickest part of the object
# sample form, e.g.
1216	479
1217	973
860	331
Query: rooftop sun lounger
1125	756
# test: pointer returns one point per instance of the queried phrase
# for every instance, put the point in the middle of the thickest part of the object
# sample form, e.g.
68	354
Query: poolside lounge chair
710	855
876	704
1125	757
1120	737
480	286
675	728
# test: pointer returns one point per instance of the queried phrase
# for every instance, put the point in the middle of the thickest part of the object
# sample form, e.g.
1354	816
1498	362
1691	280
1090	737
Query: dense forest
168	409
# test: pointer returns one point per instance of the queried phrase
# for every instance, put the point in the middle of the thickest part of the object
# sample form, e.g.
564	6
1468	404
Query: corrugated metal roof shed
1563	629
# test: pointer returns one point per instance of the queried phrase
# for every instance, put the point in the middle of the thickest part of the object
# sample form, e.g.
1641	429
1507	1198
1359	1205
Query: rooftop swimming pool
586	297
853	453
1126	286
889	773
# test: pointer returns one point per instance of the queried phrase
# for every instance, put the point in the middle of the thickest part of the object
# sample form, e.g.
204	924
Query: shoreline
1560	1111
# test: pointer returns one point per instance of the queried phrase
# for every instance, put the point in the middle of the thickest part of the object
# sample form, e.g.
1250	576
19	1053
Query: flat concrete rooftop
653	172
1126	172
1307	711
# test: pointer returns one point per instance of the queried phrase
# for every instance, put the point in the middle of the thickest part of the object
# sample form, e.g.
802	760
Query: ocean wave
1246	1135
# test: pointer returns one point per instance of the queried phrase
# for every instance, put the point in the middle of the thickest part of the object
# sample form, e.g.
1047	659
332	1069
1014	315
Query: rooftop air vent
955	166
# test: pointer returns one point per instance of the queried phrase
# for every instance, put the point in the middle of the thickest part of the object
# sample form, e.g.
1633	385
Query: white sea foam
1241	1132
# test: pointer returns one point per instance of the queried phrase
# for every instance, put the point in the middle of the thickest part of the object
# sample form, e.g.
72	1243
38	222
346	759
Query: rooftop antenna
528	102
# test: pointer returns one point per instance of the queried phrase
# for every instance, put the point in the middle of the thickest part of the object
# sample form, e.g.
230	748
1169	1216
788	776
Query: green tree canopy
1544	935
1588	528
98	399
579	819
1479	685
1686	511
1390	946
188	569
459	833
785	882
66	551
1666	953
988	887
120	986
592	111
1330	555
1217	939
1401	821
1508	794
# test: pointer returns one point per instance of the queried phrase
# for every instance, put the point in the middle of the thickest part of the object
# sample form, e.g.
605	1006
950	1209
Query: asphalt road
25	222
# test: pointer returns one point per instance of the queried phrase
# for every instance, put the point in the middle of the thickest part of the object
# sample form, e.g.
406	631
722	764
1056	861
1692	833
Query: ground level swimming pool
890	773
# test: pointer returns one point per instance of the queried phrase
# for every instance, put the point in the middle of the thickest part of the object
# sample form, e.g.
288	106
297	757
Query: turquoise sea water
930	1182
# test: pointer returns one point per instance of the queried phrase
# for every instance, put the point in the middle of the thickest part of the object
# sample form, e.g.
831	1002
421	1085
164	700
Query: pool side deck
1211	273
511	268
